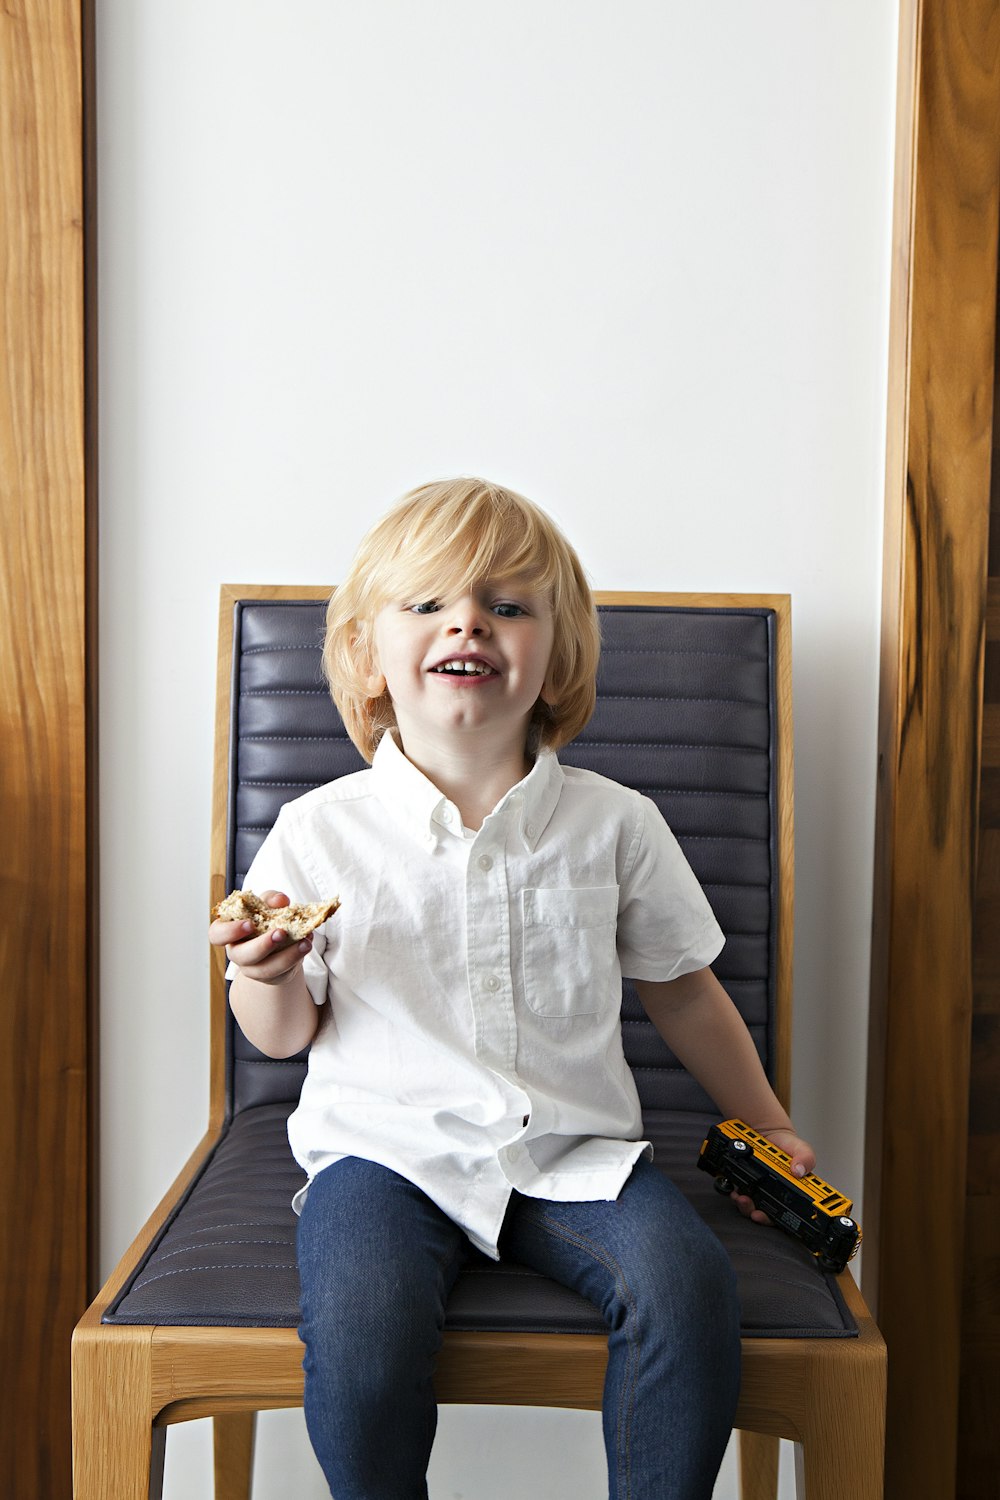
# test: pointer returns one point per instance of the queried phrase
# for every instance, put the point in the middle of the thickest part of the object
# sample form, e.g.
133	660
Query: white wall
630	258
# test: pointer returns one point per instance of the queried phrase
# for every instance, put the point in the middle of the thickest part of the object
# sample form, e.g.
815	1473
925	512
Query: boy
466	1078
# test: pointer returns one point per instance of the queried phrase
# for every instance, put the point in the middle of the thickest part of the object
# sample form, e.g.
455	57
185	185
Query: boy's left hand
803	1161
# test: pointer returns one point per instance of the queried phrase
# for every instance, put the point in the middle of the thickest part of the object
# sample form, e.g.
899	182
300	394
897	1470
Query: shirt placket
491	988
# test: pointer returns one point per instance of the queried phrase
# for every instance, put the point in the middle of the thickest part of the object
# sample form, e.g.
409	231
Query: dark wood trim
936	539
47	716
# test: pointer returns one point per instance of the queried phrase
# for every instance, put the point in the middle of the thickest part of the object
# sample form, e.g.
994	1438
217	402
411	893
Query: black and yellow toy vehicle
743	1161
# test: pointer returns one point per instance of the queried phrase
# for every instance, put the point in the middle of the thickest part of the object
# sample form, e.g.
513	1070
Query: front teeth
466	668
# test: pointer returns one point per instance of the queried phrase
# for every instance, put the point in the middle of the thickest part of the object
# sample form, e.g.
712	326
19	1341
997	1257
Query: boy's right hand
270	958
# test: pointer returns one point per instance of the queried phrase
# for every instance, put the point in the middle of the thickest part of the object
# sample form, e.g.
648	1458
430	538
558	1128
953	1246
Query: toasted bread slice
297	921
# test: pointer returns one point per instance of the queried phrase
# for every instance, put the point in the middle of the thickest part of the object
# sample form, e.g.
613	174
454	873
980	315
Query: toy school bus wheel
836	1261
724	1184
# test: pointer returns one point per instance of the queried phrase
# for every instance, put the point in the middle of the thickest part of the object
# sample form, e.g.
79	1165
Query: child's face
468	663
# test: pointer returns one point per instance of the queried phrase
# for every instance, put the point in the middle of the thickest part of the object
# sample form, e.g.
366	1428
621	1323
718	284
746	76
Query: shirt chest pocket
569	949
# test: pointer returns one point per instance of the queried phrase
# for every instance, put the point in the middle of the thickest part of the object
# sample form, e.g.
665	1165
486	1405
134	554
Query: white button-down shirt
472	1039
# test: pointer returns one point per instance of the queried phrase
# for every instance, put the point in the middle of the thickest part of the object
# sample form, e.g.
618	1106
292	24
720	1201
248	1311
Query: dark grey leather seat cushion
228	1256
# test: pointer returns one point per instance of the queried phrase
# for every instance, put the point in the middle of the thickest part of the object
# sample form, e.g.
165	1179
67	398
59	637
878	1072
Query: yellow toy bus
741	1160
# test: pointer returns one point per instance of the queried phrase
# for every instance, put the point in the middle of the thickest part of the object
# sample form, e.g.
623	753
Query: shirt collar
419	806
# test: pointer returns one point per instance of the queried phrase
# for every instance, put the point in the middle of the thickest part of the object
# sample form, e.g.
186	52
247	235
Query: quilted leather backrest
685	713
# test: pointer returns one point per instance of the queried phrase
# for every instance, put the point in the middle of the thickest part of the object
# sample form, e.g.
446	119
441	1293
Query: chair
198	1319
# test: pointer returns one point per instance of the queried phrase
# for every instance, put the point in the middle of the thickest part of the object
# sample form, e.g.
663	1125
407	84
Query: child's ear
367	664
374	680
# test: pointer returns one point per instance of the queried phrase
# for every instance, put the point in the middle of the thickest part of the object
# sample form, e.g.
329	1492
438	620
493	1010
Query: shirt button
445	815
491	983
485	863
530	830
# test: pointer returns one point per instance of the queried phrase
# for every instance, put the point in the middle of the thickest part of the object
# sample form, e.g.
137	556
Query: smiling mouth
463	669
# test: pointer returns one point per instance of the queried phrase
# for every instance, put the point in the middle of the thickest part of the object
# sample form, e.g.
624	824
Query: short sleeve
278	866
666	926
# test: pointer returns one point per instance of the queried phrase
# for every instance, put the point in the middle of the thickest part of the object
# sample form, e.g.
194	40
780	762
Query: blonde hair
447	536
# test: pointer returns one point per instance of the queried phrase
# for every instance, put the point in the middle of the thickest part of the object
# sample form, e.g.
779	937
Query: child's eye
507	610
426	608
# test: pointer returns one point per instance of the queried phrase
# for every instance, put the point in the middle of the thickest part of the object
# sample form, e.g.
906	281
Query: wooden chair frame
827	1396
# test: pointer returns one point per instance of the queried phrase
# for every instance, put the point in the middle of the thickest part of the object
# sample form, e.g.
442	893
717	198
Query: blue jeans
377	1260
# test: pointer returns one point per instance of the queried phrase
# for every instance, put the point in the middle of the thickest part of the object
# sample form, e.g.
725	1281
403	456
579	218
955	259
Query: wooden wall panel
978	1436
45	739
937	508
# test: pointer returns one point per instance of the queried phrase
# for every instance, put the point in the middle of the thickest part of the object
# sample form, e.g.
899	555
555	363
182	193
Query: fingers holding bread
267	936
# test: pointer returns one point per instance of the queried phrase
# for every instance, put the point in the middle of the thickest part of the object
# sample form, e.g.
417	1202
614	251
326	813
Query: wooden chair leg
759	1454
828	1397
158	1452
842	1451
117	1453
234	1443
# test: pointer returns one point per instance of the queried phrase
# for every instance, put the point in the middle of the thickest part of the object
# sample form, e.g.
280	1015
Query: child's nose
468	618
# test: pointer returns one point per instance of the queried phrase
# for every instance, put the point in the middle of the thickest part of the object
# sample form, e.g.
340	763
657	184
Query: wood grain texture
897	404
759	1462
979	1442
937	501
827	1395
45	737
234	1437
112	1392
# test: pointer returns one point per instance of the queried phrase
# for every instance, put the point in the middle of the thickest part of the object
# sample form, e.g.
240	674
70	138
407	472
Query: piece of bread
297	921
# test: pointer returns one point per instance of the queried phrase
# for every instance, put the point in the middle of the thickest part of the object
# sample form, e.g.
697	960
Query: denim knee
376	1263
685	1290
372	1320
